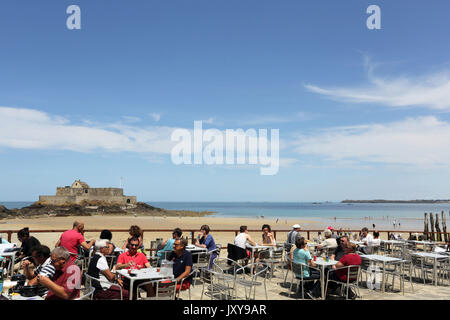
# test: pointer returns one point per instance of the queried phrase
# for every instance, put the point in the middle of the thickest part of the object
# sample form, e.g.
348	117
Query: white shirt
329	243
367	239
102	265
241	240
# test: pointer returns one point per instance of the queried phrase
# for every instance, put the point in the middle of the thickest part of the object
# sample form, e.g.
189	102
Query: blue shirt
302	256
208	242
167	247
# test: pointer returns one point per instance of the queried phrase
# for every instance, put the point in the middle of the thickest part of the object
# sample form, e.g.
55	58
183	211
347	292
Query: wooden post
444	226
432	226
308	234
9	236
192	236
425	227
438	229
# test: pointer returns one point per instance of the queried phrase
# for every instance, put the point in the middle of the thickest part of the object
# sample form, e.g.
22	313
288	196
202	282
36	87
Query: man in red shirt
132	259
349	259
72	239
66	282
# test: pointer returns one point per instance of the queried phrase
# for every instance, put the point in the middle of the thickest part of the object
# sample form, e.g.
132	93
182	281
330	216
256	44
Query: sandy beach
185	223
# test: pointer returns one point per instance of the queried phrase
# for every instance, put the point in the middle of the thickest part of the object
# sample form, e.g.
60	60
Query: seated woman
167	246
28	243
267	236
205	240
302	256
135	231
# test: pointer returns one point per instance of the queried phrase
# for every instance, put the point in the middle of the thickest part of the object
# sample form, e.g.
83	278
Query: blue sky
361	113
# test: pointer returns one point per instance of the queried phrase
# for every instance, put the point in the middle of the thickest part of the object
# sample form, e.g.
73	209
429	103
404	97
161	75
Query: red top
139	258
69	277
70	240
348	260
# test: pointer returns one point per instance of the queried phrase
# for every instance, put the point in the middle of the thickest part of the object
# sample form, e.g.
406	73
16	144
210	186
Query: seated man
340	250
99	269
168	244
243	238
133	259
329	242
367	239
73	239
43	263
350	258
66	282
182	263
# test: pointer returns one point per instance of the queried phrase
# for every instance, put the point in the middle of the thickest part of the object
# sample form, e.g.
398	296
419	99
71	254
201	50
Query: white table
384	260
435	257
322	265
255	248
142	274
393	242
358	243
11	255
424	243
19	297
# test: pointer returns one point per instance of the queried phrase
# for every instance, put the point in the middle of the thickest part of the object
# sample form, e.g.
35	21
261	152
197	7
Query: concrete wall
98	192
59	200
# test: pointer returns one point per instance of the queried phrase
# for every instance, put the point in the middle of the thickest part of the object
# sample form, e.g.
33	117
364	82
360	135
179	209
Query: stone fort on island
80	192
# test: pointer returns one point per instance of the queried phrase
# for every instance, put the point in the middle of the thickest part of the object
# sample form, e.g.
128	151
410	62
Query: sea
385	216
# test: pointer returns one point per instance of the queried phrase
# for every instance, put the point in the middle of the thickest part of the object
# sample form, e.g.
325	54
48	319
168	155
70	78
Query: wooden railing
309	233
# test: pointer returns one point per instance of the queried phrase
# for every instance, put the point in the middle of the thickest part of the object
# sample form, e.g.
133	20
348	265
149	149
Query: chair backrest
86	293
287	247
236	253
166	289
352	272
297	268
277	253
264	254
226	266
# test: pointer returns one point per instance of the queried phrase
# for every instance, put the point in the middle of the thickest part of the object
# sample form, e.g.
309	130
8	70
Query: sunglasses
134	245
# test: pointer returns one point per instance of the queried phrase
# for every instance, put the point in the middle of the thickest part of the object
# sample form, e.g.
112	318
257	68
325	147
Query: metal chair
95	283
217	285
165	289
276	257
353	273
183	281
261	270
86	293
298	273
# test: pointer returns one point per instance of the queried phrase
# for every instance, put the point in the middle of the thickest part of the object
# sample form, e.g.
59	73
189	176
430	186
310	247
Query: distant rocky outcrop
396	201
89	208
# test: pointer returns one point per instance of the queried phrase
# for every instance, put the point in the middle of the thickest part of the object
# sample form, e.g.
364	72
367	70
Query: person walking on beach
73	239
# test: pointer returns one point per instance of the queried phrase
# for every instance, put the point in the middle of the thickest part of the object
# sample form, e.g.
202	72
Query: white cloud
431	91
272	119
131	119
421	142
155	116
209	121
33	129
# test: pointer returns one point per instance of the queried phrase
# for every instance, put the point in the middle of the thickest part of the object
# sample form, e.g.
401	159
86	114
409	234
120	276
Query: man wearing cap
334	235
293	234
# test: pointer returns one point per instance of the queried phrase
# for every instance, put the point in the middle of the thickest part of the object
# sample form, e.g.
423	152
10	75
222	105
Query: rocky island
395	201
81	200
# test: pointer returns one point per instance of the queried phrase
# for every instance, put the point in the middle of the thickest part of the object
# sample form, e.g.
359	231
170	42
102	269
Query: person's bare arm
249	240
27	270
87	246
109	275
186	273
57	290
58	243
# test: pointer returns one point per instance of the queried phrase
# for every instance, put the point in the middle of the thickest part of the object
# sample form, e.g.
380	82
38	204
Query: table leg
130	294
434	272
382	278
322	281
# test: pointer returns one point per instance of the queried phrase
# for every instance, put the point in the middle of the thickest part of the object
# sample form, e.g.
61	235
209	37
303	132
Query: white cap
295	226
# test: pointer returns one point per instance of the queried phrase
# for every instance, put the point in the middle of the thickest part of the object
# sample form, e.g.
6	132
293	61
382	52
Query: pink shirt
71	240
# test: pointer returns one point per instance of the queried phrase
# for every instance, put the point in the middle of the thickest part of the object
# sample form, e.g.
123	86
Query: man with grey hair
105	289
66	282
329	242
